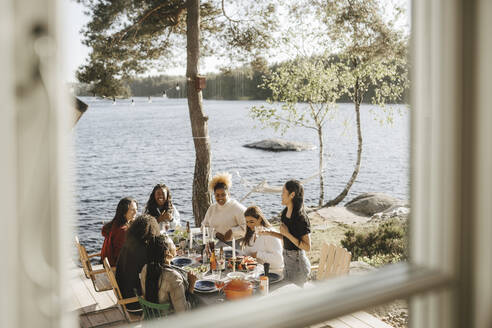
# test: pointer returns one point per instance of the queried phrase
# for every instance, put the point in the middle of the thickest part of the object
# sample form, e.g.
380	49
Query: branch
144	17
226	16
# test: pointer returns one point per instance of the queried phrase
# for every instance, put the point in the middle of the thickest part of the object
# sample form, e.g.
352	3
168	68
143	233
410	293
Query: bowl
238	289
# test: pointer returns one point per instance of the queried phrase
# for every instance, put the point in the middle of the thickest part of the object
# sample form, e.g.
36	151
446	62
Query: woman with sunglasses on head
295	231
161	207
226	216
265	248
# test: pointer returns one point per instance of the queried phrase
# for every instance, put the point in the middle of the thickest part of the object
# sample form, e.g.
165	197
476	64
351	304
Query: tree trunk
199	127
341	196
321	182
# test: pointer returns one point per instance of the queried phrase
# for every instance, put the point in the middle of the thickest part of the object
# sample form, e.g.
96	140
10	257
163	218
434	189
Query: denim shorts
296	266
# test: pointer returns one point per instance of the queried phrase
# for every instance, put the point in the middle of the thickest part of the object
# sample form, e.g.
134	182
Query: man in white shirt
226	216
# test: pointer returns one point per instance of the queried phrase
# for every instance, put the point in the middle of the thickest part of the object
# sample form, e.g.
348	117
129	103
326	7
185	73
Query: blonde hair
222	177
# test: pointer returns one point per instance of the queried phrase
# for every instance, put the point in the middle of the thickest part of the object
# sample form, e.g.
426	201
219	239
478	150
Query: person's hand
283	229
166	216
220	236
228	235
191	281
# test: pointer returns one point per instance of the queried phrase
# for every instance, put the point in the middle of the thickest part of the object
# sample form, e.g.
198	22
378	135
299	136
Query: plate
236	275
205	286
272	277
181	261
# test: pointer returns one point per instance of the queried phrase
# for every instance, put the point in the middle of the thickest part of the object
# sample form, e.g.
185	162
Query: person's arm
271	233
303	243
239	230
271	252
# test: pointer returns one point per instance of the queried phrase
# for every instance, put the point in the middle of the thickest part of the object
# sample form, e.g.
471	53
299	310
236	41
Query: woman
160	206
114	232
295	231
162	282
133	256
226	216
266	249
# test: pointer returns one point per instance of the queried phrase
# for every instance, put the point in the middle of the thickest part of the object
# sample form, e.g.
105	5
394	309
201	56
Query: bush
386	243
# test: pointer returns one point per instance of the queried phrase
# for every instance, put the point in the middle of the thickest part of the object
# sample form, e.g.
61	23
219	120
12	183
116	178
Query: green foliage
385	243
372	51
303	91
132	37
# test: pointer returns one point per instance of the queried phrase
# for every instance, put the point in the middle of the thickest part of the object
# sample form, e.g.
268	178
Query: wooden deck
98	309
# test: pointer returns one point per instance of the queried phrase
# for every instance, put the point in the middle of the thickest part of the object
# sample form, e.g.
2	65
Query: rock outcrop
372	203
280	145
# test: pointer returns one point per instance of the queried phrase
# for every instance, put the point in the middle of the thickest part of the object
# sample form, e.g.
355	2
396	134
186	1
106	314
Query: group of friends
142	251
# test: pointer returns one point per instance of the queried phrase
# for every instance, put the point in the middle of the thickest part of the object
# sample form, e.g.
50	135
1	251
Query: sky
75	53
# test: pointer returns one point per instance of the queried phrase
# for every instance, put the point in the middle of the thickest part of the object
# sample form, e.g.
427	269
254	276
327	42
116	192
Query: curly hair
151	207
144	227
221	180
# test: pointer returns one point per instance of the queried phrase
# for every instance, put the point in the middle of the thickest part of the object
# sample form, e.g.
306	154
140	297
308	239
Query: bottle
205	255
213	261
264	285
264	279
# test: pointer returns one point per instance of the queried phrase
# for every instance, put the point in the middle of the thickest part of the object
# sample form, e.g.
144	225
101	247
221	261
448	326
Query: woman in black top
295	231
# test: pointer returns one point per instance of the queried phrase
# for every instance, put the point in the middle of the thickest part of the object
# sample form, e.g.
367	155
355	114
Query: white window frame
447	279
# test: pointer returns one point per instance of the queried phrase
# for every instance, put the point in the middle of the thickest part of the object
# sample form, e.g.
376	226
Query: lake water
124	150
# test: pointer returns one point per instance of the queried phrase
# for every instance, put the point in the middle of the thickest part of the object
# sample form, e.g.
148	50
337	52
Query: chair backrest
116	289
84	258
334	261
153	310
112	280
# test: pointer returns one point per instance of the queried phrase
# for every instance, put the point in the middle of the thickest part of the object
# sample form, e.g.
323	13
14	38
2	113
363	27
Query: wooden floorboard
371	320
352	321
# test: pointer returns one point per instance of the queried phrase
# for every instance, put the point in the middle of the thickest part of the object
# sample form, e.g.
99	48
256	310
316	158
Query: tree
372	54
132	37
311	81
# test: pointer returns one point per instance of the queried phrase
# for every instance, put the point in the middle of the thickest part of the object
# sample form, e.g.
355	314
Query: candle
204	236
191	240
233	248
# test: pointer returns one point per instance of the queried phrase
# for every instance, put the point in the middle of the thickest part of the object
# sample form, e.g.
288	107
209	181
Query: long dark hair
143	228
151	207
156	254
119	217
295	186
254	211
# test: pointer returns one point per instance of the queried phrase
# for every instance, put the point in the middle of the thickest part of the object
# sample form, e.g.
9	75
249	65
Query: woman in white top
266	249
161	207
226	216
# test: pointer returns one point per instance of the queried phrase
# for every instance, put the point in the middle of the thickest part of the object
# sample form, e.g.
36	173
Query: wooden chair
131	317
153	310
99	277
334	261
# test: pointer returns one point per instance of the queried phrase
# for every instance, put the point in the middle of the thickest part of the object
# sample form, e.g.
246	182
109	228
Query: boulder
372	203
280	145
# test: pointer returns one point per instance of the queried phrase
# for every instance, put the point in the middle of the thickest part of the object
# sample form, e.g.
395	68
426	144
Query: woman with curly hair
161	207
265	248
162	282
114	232
133	256
226	216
